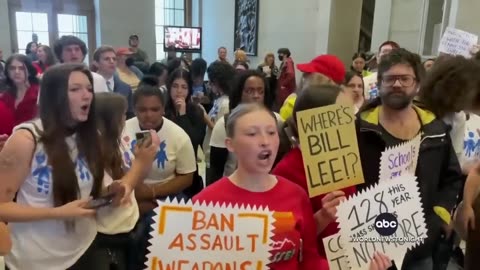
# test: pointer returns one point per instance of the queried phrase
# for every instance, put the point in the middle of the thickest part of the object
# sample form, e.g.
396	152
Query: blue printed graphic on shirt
127	160
162	155
215	108
42	172
471	145
82	168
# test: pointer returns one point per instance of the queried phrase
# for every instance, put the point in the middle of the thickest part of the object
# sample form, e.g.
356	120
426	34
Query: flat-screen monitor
182	39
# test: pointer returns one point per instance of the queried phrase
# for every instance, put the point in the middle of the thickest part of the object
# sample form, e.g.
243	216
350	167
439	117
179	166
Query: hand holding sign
330	203
387	217
329	148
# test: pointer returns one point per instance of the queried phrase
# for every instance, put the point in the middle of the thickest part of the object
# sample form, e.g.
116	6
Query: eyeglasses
405	80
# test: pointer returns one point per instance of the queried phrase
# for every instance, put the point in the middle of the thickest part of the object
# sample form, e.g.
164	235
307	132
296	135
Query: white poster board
335	251
400	160
201	236
457	42
358	219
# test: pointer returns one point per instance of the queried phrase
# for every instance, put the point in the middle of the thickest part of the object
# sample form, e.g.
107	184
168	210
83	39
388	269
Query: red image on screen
183	38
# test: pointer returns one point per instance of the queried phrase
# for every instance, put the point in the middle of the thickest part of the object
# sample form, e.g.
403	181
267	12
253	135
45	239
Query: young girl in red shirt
252	136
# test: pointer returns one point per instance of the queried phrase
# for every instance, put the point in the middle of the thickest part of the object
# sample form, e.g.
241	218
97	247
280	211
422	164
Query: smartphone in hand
143	136
101	202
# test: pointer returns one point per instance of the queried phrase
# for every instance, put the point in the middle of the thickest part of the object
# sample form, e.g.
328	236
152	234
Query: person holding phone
114	239
50	169
174	166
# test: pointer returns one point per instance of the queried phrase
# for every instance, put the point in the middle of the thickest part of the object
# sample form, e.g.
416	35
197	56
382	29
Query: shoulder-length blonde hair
241	56
265	62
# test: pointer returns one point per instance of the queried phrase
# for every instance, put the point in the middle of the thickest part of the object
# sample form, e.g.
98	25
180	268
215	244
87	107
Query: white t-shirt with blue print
175	155
471	142
47	244
219	109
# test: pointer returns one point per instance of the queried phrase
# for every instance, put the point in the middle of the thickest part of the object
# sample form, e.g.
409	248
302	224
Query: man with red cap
327	65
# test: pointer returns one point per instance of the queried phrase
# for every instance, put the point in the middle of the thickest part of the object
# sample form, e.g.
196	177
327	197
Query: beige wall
5	43
467	17
118	19
345	17
406	23
308	28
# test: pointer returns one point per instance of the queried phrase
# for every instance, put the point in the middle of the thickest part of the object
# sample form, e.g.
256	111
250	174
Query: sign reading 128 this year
329	147
200	236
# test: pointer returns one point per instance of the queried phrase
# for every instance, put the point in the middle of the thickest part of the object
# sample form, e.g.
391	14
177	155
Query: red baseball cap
123	51
328	65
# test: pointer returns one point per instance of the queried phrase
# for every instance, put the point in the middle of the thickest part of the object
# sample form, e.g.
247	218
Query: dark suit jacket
124	89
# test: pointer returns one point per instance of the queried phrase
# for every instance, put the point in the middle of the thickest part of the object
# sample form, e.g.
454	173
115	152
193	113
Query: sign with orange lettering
200	236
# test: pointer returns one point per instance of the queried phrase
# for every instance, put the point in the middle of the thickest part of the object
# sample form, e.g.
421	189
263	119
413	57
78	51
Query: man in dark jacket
391	119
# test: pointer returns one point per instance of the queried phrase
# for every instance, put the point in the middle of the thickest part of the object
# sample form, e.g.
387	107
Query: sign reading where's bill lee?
329	148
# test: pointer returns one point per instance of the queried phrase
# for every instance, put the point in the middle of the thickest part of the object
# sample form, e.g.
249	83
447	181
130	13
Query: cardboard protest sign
328	141
337	260
388	217
457	42
207	236
400	160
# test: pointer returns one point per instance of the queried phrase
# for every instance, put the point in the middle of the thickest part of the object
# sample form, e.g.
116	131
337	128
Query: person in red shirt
291	166
19	99
46	59
252	136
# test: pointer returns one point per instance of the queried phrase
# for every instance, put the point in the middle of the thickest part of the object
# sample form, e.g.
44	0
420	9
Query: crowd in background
69	132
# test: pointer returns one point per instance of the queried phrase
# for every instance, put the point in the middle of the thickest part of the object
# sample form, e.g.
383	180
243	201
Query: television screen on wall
182	39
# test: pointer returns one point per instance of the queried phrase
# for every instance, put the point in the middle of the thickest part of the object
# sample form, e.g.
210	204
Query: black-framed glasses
405	80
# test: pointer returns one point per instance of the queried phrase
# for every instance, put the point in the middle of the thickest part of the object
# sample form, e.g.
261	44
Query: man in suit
105	60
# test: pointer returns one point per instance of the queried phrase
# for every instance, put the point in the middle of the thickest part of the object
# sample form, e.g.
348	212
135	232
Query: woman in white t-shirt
251	87
174	165
451	88
220	75
112	241
52	166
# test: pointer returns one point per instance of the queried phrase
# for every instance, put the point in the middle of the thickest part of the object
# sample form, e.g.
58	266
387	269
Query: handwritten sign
457	42
400	160
329	147
201	236
360	228
337	260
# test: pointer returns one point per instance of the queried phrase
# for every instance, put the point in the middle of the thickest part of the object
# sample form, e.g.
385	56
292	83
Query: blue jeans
140	247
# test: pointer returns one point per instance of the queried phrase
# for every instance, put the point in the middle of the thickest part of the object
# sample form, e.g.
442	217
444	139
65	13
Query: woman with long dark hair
19	97
114	241
46	59
354	84
251	87
50	169
180	109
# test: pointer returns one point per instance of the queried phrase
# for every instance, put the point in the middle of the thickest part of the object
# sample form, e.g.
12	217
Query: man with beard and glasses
392	119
